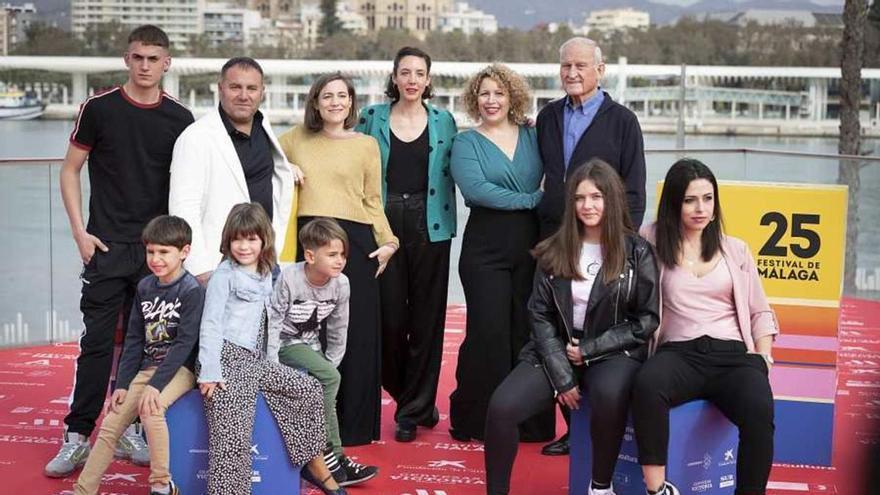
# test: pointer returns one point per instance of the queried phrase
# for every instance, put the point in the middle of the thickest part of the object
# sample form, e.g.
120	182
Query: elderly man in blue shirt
584	124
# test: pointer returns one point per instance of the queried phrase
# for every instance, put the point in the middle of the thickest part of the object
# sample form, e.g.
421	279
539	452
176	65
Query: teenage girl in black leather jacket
593	309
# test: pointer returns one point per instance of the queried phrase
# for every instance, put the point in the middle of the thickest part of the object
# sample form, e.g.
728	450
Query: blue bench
702	452
273	473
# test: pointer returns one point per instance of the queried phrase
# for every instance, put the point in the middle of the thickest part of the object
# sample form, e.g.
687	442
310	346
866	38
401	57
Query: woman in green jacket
415	141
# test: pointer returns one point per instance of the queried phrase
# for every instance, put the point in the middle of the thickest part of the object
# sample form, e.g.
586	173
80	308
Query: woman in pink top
715	336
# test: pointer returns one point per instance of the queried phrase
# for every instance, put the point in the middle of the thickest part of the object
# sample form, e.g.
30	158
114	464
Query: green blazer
440	210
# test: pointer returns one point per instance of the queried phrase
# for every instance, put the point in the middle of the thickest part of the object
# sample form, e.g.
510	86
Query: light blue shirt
234	305
576	120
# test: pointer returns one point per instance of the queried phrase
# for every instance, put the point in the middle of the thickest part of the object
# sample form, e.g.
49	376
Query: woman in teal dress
498	170
415	139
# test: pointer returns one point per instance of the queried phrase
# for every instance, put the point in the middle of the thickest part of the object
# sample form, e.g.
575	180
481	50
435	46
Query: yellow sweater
343	179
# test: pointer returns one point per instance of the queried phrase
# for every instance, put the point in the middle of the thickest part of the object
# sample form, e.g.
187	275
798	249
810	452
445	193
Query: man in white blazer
229	156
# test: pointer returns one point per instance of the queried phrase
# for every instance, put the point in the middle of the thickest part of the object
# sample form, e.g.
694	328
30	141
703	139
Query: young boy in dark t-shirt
128	135
156	367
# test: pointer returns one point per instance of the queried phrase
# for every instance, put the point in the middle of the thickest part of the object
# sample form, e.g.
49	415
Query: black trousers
718	371
109	282
527	391
413	289
358	403
496	272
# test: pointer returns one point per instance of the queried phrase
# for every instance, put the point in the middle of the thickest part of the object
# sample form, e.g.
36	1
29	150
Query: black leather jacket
621	316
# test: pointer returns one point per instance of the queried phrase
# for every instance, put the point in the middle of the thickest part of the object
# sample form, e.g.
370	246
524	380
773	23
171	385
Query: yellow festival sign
797	234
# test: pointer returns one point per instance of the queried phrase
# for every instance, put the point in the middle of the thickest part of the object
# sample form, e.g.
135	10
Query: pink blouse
697	306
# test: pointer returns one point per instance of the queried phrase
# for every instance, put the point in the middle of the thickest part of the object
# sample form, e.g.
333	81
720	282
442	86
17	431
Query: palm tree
852	46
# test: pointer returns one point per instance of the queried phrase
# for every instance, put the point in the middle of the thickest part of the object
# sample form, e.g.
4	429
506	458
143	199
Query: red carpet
35	383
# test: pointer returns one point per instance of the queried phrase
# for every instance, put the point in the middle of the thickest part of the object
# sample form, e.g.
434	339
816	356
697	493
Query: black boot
559	447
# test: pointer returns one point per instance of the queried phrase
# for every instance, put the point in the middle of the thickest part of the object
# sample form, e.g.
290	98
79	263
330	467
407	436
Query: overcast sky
690	2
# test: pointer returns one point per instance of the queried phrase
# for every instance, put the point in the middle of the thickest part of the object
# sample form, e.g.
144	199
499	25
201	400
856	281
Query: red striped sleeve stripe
82	107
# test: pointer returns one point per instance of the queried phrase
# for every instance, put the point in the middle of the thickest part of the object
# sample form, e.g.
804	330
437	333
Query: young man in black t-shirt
128	135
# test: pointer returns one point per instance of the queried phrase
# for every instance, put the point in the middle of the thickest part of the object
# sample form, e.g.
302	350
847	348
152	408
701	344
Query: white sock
72	437
165	489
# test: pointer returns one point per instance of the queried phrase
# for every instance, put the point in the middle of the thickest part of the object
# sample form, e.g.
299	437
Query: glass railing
39	302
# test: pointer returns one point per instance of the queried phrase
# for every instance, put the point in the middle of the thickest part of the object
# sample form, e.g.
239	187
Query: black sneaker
668	489
559	447
356	473
334	466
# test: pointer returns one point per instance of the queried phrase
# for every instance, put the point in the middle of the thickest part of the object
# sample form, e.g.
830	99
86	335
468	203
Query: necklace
690	261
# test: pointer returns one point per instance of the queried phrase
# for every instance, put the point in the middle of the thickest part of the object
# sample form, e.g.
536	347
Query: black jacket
614	135
621	316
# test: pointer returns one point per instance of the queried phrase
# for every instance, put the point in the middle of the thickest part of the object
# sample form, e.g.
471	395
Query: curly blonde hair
514	85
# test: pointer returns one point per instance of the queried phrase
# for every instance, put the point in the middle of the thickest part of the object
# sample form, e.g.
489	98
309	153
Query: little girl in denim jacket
234	366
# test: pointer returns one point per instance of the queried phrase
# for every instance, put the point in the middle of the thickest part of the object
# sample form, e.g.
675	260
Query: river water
40	267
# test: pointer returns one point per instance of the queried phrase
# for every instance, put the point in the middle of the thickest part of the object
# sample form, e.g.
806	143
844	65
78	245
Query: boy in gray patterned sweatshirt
311	297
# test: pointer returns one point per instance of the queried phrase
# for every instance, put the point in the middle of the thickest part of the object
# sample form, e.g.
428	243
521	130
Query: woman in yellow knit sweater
343	181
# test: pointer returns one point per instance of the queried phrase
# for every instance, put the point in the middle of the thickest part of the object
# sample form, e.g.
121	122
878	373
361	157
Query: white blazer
207	181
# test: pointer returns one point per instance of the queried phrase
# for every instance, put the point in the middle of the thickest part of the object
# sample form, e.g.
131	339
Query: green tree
872	36
340	46
874	13
388	41
42	39
330	23
107	39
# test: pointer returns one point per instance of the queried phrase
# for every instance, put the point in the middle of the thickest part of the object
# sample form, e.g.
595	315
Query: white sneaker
73	454
603	491
131	446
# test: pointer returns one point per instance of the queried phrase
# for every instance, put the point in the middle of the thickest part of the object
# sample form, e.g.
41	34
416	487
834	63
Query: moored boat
18	105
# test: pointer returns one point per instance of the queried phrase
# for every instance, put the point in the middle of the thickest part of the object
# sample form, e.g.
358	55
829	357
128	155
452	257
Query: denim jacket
234	303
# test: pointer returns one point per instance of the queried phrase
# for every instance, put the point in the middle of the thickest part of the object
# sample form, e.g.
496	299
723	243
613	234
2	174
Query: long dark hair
391	90
668	234
560	253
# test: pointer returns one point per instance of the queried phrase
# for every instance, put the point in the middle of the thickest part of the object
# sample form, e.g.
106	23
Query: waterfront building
14	23
225	23
310	17
617	20
180	19
274	9
768	17
417	16
4	32
469	20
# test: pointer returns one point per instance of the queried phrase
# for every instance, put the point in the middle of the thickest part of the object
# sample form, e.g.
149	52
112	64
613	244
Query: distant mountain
525	14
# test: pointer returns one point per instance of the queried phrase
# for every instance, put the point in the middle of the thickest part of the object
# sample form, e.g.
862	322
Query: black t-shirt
130	148
255	154
408	164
